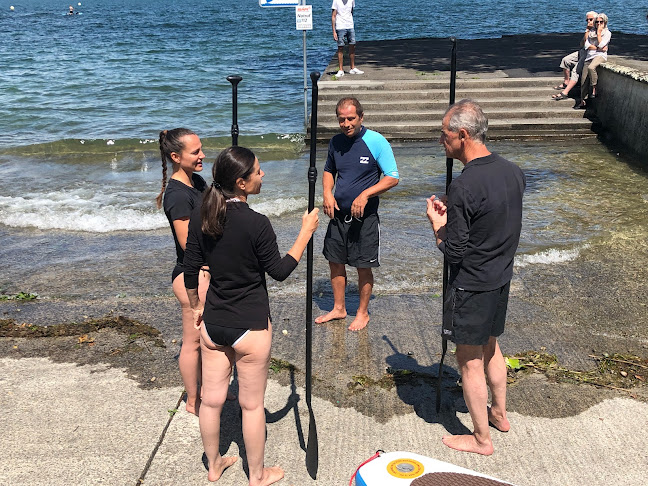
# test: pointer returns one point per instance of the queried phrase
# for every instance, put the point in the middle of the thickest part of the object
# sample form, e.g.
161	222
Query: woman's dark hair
232	164
170	141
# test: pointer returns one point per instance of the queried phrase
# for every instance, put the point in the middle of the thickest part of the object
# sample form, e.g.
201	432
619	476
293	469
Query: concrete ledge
621	106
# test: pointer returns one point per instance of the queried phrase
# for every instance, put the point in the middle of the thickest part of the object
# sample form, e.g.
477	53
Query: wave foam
548	257
82	210
279	206
75	214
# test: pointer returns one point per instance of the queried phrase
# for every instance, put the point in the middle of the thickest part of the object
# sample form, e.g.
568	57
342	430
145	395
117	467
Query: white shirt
344	16
606	35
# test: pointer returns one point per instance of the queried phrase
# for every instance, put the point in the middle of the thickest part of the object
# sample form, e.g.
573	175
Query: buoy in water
410	469
11	8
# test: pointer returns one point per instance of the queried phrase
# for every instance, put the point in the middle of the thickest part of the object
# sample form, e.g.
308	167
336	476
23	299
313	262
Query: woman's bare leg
189	361
252	360
217	368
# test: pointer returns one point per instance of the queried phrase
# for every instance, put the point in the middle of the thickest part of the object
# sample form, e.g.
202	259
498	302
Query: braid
170	141
158	199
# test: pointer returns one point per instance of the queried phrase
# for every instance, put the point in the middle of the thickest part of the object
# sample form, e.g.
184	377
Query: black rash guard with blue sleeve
356	164
238	261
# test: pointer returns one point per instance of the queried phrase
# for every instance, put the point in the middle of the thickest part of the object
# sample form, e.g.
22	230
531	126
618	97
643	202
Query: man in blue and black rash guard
357	158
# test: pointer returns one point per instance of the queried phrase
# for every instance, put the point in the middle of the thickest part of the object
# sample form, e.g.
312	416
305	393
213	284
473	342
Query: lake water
84	97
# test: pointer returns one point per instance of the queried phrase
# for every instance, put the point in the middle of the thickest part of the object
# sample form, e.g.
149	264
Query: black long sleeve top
238	261
484	223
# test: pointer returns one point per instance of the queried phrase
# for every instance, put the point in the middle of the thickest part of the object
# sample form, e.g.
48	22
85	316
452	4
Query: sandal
561	96
580	106
561	87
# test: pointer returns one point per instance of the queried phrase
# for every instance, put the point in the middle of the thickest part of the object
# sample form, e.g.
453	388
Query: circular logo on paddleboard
405	468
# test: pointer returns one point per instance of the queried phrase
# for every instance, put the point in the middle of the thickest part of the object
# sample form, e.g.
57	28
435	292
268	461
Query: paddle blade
312	449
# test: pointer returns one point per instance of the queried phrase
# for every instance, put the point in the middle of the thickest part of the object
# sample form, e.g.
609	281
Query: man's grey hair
592	13
467	114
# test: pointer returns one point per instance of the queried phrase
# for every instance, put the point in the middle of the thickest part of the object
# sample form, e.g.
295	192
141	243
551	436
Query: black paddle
312	451
444	340
235	80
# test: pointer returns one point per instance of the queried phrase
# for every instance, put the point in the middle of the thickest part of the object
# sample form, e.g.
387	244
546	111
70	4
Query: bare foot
501	423
331	316
222	463
468	443
193	407
270	476
360	322
231	396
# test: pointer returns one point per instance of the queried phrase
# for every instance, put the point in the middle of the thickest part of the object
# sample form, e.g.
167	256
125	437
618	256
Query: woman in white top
596	54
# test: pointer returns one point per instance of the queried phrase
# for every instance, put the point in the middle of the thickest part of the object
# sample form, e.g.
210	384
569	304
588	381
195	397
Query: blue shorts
345	36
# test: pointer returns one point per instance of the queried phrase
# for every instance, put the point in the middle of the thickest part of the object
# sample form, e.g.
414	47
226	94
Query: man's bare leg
338	283
365	287
352	55
471	364
495	368
569	87
341	57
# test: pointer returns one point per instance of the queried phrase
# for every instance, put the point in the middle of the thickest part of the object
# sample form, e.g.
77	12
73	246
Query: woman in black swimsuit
240	247
181	148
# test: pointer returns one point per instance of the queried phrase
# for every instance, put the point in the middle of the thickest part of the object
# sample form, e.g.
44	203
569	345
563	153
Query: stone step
436	115
492	124
477	93
413	109
439	82
533	102
397	137
497	128
521	134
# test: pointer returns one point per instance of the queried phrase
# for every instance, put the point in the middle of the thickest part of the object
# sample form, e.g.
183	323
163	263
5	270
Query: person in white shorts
344	33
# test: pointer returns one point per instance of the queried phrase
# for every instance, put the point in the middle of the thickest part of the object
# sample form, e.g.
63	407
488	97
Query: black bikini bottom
225	336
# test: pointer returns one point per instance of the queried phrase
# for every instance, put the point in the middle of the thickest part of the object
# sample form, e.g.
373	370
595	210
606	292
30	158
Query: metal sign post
304	22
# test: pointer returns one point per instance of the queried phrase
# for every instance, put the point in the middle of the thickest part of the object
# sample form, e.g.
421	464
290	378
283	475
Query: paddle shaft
235	80
312	449
449	162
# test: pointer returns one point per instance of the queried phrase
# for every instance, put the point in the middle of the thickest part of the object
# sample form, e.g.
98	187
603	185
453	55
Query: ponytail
170	141
232	164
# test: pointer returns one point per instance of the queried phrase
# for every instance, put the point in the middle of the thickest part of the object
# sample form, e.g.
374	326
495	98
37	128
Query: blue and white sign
278	3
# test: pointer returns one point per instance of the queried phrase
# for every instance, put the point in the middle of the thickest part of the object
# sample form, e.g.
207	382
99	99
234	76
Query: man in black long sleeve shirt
478	230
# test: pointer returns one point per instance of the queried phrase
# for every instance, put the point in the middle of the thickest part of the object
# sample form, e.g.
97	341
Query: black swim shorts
473	317
354	242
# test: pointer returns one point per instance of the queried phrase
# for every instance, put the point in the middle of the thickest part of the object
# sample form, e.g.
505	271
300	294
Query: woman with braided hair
181	148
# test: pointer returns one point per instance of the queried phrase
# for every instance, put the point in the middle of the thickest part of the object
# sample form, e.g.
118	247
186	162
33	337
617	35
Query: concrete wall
622	106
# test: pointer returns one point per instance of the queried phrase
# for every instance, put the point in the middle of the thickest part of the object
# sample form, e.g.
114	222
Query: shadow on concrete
232	431
292	403
416	386
516	55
